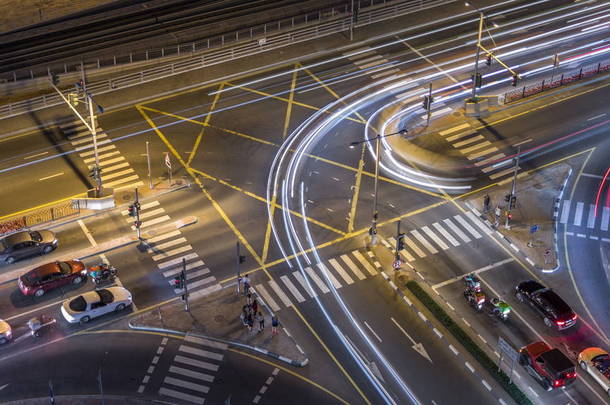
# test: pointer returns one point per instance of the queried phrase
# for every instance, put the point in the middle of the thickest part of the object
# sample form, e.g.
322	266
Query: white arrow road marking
418	347
370	364
4	386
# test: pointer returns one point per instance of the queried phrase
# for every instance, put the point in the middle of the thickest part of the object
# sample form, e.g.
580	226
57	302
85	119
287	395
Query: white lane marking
200	352
446	234
596	117
330	275
486	385
605	218
453	349
454	129
467	226
482	153
457	230
87	232
181	395
373	332
423	241
460	135
270	301
303	283
414	247
469	367
591	218
364	262
278	291
565	212
581	235
578	215
435	238
467	141
478	222
191	374
312	275
353	267
51	176
439	334
173	262
335	264
34	156
172	252
292	288
474	147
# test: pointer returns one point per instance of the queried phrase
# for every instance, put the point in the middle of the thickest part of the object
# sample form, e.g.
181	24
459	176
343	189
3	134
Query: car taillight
571	375
556	383
574	317
560	323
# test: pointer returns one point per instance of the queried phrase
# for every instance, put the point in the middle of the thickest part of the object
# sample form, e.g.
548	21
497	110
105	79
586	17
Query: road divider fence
557	81
38	216
469	344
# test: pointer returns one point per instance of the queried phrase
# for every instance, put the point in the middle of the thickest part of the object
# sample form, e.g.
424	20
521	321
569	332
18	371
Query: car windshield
36	236
106	296
78	304
64	268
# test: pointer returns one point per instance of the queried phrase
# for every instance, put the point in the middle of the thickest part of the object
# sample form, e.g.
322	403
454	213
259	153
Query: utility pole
138	223
240	259
98	171
428	103
150	186
475	78
399	241
184	285
512	197
351	24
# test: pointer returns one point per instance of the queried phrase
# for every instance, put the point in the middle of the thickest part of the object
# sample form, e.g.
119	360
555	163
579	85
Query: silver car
95	303
21	245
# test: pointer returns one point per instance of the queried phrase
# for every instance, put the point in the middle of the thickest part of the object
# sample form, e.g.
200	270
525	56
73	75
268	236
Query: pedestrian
275	322
249	299
486	202
244	314
250	322
246	281
239	281
254	305
261	322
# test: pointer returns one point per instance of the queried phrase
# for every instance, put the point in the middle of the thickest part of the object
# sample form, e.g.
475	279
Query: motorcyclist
472	282
475	298
101	271
500	307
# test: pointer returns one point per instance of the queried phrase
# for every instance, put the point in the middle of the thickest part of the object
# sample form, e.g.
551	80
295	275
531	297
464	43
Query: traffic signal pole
397	257
476	59
185	285
513	191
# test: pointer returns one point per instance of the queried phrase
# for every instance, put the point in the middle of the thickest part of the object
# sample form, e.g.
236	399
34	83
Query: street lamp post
475	78
373	229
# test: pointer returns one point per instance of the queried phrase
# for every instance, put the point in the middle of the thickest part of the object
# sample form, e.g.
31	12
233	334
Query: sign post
507	350
168	163
533	230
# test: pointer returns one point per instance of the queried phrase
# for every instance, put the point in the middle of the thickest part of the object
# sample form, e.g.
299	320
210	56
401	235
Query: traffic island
531	228
216	316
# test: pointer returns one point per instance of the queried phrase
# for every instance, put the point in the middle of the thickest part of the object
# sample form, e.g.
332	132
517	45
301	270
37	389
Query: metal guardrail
239	50
39	216
565	78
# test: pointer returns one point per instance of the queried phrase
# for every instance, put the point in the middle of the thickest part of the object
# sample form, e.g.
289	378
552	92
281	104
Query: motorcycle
476	299
472	282
37	323
500	309
102	273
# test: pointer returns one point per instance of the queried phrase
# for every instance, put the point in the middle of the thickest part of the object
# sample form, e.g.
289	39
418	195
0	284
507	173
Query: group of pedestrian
250	312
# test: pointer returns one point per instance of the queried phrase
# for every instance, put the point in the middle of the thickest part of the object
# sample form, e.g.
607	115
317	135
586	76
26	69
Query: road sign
507	349
533	228
397	264
168	162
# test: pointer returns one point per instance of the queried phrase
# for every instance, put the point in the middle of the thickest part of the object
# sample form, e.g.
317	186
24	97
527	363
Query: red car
52	275
550	367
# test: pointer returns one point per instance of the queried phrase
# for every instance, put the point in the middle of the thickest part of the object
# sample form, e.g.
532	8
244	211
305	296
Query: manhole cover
219	318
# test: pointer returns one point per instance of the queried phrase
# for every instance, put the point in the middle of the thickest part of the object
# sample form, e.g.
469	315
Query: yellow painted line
286	370
352	212
268	230
293	84
205	123
190	171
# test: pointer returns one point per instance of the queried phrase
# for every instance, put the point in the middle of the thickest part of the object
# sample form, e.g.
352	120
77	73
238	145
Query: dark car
550	367
555	312
20	245
52	275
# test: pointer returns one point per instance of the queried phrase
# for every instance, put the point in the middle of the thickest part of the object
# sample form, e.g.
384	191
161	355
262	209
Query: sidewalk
538	195
83	400
217	317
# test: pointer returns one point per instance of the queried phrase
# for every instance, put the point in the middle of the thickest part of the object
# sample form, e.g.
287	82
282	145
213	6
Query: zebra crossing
192	370
476	148
348	268
167	249
582	214
367	59
116	171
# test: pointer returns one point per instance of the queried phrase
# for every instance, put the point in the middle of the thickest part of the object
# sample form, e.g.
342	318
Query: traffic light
178	282
73	99
242	259
94	172
372	231
507	197
488	59
132	210
513	202
515	80
427	102
477	80
137	224
401	242
509	215
54	78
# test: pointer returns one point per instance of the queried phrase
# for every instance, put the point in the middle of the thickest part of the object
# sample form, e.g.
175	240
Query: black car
24	244
555	312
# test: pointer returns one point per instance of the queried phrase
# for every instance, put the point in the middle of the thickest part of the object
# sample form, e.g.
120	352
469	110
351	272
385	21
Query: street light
373	229
475	76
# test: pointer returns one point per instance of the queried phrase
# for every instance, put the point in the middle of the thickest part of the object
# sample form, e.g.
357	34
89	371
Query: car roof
555	300
557	361
17	237
45	269
536	348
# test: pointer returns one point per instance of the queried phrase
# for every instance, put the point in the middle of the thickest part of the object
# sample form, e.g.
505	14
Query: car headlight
83	272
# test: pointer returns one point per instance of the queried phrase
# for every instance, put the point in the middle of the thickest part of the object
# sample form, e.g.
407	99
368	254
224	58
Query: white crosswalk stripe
578	215
490	159
186	384
196	363
446	234
190	373
505	172
144	214
102	157
278	291
172	252
319	283
404	253
414	247
605	218
565	212
435	238
200	352
467	226
423	241
481	153
353	267
303	283
162	246
467	141
181	395
341	271
330	275
474	147
456	230
591	218
260	289
478	222
365	263
454	129
173	262
459	136
291	287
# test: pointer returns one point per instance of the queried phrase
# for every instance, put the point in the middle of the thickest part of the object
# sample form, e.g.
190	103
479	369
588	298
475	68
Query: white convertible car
95	303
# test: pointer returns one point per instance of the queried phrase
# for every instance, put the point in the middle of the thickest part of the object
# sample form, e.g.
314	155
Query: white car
95	303
5	332
596	362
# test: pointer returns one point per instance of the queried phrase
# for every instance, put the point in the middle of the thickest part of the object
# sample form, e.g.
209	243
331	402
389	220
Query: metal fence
39	216
557	81
211	56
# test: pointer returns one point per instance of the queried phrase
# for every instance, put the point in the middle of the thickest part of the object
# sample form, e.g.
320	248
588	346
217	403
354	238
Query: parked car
95	303
52	275
555	312
596	362
550	367
24	244
6	334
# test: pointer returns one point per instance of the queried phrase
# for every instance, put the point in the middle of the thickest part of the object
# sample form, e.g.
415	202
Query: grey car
25	244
